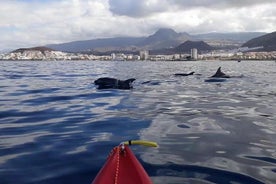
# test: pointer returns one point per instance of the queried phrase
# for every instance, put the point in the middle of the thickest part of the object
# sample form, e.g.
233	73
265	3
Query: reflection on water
56	127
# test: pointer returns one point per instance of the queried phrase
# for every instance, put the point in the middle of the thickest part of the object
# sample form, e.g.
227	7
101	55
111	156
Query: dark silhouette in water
220	74
112	83
184	74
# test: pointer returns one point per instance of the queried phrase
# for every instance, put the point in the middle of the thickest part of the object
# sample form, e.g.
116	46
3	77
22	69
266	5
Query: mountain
162	39
161	34
267	41
38	53
236	36
41	49
188	45
87	45
184	48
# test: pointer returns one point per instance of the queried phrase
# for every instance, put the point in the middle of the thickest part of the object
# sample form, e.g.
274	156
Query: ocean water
57	127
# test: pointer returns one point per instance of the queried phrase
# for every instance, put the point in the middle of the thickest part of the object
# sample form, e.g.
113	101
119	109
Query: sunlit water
56	127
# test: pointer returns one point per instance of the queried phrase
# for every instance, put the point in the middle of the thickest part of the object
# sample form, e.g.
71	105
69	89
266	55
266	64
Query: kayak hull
122	167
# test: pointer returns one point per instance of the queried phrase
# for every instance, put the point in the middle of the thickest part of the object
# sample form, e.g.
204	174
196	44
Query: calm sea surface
56	127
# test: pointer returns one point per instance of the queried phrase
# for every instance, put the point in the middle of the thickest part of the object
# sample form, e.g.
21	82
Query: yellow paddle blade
141	142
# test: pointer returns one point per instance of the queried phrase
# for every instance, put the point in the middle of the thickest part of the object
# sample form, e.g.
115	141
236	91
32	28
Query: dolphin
112	83
220	74
184	74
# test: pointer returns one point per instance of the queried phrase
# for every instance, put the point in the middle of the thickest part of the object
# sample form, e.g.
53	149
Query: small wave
264	159
200	173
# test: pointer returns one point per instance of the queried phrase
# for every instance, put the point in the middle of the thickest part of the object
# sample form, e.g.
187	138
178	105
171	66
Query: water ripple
55	121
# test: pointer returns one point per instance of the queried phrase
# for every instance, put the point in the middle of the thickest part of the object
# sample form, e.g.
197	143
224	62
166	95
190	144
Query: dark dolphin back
106	83
112	83
131	80
184	74
127	84
104	80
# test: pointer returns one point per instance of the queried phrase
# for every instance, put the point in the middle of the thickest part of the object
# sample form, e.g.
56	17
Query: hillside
41	49
236	36
185	48
188	45
162	39
104	43
268	42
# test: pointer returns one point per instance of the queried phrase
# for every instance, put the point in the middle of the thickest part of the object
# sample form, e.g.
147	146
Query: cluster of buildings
236	54
144	55
258	56
49	56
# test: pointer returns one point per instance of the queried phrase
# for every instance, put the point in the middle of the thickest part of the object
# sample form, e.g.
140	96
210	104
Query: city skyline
27	23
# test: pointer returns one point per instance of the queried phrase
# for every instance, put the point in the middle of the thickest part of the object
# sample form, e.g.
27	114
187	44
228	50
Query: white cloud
31	23
140	8
134	8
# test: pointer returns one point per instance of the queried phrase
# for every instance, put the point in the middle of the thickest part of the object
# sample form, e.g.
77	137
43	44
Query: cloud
134	8
52	22
26	23
219	3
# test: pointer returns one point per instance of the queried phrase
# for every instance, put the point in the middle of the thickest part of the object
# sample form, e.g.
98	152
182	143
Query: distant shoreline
211	60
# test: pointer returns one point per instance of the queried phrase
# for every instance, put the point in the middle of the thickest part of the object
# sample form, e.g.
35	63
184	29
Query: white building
113	56
144	54
194	54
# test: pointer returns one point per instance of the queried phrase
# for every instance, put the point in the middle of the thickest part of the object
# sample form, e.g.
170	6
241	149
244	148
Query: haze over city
27	23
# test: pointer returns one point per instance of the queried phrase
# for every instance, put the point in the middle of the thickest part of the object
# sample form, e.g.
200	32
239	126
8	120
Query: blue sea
56	127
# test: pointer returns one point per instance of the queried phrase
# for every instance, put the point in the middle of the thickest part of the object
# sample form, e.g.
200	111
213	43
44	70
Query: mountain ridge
184	47
267	42
41	49
161	39
188	45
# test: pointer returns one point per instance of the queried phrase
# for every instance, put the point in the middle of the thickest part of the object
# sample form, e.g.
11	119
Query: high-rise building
194	55
144	54
113	56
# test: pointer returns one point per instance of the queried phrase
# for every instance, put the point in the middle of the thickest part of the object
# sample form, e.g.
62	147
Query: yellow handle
141	142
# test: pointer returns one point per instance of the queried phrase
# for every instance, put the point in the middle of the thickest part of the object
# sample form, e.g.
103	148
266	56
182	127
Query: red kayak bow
122	167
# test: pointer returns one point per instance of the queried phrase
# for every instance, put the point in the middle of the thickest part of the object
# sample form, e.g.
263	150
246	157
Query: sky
28	23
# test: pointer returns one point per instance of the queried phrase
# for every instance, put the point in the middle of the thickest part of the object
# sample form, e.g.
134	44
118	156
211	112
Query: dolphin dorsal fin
219	70
220	74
